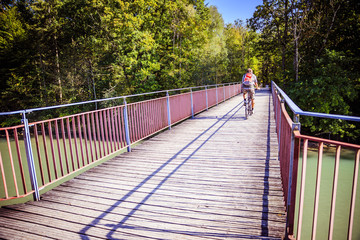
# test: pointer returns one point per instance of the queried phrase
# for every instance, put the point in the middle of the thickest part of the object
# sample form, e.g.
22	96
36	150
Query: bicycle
248	105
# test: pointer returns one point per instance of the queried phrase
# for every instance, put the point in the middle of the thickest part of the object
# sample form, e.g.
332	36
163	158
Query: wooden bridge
214	176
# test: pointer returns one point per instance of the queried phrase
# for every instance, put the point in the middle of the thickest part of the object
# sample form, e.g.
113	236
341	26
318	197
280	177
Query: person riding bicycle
249	81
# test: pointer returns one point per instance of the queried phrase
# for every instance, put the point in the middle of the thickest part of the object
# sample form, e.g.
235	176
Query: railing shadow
121	224
265	205
226	117
221	118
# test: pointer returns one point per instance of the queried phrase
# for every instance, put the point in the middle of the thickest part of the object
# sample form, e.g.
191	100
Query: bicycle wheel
246	109
250	108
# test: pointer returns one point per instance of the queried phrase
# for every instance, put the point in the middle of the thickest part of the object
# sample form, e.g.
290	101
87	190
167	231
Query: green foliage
328	89
63	51
241	45
11	28
311	49
18	83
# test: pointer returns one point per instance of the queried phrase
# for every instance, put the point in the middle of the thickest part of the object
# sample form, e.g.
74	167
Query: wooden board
212	177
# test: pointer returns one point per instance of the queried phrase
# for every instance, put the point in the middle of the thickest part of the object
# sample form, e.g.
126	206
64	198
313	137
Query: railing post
296	120
217	101
192	103
126	122
30	158
207	103
279	119
168	109
224	91
289	214
353	194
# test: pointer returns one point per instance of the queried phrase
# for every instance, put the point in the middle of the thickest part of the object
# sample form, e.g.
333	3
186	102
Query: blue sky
235	9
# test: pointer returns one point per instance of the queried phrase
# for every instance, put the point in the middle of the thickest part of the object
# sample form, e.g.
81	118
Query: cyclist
249	81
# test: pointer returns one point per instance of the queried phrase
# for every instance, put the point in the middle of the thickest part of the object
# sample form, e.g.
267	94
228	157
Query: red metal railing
199	97
290	141
180	107
211	97
288	149
339	146
62	146
146	118
221	94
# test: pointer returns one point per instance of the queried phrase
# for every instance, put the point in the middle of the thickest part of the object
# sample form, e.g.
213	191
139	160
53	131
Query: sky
235	9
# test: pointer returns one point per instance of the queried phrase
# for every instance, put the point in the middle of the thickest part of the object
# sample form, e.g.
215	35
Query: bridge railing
41	153
291	144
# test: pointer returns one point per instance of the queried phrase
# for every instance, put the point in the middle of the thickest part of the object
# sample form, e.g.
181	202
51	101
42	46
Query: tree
241	47
317	36
68	51
212	59
19	88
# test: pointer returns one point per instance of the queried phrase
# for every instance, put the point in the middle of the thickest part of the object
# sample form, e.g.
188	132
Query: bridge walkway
212	177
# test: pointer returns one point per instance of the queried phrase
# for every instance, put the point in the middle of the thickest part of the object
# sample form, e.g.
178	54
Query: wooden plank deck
212	177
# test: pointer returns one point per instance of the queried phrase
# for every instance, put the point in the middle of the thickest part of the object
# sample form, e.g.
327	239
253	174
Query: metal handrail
290	142
87	137
24	111
298	111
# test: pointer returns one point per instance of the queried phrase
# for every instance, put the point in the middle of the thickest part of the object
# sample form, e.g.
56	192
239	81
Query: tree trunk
180	62
92	81
296	35
296	55
43	77
58	69
333	18
284	41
